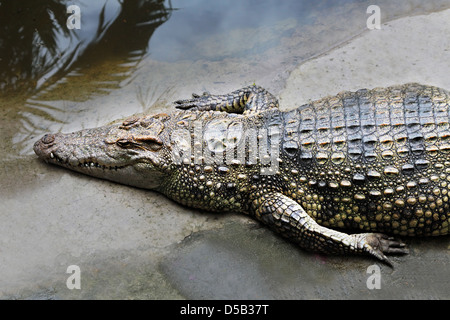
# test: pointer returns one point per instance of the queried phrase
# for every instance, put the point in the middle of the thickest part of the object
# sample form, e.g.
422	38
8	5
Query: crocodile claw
192	103
187	103
377	244
205	94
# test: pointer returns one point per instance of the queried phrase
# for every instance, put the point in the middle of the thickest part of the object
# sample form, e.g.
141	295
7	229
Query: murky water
129	57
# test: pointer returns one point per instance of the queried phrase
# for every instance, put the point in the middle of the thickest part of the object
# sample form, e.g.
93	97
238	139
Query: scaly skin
373	162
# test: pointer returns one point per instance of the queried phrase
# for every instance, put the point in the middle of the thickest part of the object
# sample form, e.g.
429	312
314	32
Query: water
129	57
146	53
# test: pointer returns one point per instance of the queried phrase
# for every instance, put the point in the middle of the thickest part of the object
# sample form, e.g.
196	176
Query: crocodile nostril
48	138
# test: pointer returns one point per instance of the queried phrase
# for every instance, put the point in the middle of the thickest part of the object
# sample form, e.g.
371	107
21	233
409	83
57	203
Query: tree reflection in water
43	62
37	49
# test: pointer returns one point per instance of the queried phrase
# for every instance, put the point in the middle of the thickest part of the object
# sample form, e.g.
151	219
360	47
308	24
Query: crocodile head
134	152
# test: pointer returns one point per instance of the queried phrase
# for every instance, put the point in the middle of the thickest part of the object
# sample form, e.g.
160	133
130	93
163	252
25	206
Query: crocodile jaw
88	152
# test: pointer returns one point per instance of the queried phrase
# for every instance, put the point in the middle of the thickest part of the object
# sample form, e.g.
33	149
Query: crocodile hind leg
246	100
288	218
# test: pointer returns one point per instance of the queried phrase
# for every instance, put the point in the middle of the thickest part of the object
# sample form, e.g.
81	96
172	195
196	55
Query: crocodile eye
123	143
154	146
149	142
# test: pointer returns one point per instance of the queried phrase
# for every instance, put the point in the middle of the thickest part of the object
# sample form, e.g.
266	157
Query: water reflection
28	44
45	67
37	49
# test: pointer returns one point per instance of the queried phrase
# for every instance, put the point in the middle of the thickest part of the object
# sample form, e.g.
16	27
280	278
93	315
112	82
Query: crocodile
346	174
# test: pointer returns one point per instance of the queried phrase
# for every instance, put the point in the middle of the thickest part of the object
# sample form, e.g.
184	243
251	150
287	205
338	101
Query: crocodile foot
195	102
377	244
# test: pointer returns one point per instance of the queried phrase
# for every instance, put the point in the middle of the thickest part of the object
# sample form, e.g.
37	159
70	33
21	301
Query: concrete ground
133	244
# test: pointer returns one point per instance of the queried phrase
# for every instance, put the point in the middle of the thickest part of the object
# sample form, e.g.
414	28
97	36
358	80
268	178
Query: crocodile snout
43	147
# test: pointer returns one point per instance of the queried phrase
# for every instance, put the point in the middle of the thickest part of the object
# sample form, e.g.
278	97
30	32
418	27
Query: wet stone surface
245	262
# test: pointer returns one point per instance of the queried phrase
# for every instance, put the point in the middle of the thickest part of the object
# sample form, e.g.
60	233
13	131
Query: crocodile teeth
96	165
52	155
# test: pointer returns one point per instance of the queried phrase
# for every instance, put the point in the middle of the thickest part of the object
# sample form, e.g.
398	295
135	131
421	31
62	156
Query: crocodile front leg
246	100
288	218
